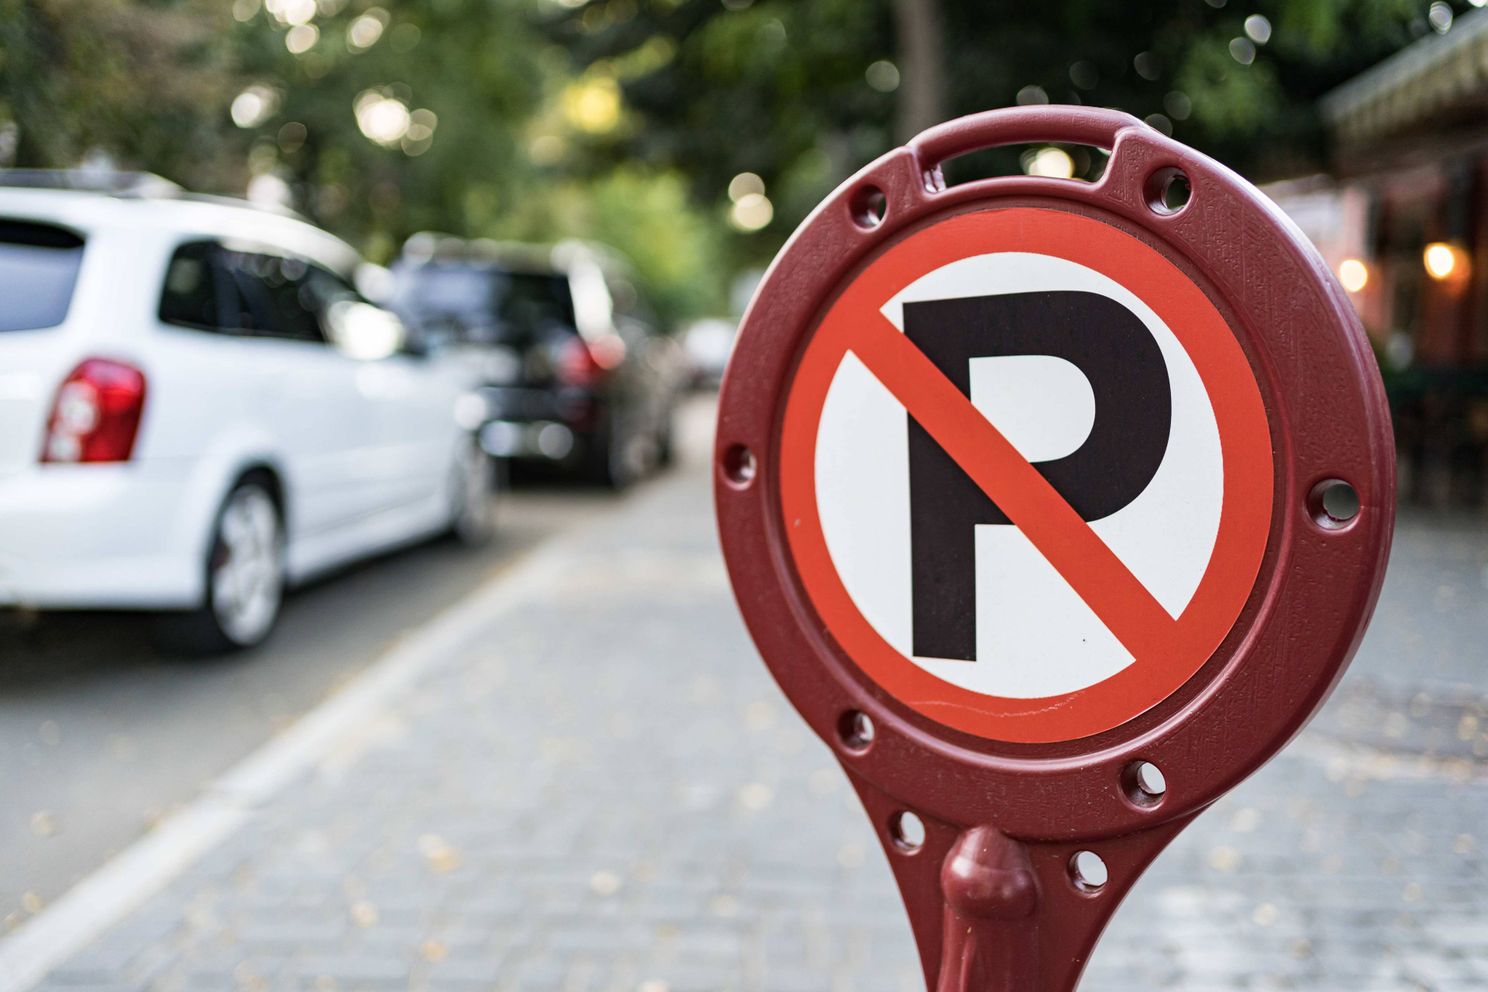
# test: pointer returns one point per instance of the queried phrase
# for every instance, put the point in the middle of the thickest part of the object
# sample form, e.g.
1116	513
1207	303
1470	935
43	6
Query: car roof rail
425	247
115	182
126	184
246	204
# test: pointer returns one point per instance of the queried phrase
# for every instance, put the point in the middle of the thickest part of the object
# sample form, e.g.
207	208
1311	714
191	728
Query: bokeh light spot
745	184
752	212
1051	163
883	76
1354	274
364	32
593	104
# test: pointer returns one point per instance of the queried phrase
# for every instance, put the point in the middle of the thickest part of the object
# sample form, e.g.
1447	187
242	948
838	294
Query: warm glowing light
301	38
1354	274
382	118
751	212
363	32
291	11
743	185
254	105
1052	163
593	105
1442	260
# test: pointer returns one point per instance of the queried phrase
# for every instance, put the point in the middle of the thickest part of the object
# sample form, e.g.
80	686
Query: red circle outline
1246	453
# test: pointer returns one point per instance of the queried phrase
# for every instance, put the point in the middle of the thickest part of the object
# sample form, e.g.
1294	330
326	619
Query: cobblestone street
603	790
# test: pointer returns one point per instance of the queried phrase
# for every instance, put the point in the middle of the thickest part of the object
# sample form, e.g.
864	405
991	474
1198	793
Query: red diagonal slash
1087	563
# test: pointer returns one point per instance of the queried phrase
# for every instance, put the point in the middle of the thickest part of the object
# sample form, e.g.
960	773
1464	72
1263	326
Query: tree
388	120
376	121
650	123
921	41
804	93
145	83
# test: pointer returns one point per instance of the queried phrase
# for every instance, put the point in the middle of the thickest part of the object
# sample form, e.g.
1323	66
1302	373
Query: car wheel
611	461
245	578
472	510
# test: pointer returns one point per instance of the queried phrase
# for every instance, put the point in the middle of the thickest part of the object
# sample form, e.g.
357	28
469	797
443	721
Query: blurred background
694	136
390	329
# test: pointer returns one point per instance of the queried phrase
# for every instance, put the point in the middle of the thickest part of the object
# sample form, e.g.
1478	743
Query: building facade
1403	220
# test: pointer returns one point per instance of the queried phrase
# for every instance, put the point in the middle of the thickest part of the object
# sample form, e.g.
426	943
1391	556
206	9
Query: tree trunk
922	77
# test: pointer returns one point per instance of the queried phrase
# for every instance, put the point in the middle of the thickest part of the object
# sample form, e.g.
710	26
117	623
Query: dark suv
575	371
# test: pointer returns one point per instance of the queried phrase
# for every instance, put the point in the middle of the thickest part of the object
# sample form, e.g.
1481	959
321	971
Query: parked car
576	371
198	410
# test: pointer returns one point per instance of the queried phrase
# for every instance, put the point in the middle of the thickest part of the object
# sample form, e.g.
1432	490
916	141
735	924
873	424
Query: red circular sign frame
1318	580
1167	652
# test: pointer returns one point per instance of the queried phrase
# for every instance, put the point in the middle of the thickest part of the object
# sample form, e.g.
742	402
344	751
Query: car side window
324	288
195	294
276	300
211	287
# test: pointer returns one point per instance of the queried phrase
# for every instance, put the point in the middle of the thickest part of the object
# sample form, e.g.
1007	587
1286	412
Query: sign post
1056	508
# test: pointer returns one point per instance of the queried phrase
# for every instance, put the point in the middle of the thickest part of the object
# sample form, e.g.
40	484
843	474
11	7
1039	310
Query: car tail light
96	414
586	363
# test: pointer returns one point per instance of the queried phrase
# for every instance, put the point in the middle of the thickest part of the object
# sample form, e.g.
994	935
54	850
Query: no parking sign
1055	510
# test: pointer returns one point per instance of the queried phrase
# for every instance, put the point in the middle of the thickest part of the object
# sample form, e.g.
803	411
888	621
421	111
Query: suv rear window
38	269
486	303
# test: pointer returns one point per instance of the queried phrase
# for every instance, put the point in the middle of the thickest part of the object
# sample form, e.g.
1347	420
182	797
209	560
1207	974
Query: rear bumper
536	440
551	425
97	537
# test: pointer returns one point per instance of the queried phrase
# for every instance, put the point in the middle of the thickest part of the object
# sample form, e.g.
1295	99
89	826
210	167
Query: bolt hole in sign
1042	489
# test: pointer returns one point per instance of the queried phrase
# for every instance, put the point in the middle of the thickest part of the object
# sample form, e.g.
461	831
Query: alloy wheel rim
246	575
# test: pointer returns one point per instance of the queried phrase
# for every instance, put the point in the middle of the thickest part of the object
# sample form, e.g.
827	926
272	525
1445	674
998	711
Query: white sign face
1027	633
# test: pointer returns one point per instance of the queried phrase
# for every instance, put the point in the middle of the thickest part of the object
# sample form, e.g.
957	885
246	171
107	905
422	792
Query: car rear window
486	303
38	269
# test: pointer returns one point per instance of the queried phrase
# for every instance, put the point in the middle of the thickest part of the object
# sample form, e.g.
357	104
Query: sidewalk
599	788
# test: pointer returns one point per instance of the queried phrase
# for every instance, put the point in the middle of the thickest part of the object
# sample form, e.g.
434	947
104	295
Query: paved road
598	789
99	737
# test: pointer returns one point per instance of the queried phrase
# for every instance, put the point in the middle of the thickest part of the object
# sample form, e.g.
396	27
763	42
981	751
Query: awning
1434	76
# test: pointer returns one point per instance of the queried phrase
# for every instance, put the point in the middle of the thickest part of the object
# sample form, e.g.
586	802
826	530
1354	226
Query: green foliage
144	81
778	87
624	121
1227	98
678	252
462	69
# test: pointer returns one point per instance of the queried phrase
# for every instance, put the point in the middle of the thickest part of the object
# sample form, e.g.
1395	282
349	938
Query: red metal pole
990	939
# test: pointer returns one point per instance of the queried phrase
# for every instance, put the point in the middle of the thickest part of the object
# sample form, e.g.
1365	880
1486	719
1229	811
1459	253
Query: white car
197	409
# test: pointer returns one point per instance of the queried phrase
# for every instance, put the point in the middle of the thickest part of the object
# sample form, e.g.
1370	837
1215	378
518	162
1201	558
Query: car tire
476	478
666	439
612	464
244	578
607	464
